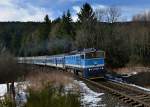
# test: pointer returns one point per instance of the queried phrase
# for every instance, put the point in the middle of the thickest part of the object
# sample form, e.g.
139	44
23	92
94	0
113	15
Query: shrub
7	102
52	97
10	70
47	89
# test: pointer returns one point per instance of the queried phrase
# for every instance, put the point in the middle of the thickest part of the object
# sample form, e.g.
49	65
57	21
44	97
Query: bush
135	60
47	89
10	70
52	97
7	102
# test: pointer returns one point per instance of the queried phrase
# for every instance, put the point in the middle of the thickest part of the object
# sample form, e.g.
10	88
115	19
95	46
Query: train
89	63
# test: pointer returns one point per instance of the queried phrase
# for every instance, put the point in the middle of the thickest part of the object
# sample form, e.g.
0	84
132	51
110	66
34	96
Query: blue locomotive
88	63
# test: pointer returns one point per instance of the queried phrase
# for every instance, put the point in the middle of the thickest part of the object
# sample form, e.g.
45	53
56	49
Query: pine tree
66	26
46	19
86	14
86	36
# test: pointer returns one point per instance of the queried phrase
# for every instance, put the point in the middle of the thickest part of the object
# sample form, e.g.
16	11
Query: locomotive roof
85	51
71	53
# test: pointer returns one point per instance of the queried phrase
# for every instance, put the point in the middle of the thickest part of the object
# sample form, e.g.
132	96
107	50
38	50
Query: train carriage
88	63
55	61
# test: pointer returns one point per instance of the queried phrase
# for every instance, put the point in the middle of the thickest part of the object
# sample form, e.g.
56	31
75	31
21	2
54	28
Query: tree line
125	43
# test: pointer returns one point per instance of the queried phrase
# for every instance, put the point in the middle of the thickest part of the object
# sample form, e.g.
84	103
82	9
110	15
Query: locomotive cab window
98	54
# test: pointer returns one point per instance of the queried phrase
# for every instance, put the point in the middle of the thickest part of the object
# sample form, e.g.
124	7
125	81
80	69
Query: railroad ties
128	94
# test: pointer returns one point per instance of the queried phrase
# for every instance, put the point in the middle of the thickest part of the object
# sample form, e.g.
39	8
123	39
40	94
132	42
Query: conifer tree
86	36
86	13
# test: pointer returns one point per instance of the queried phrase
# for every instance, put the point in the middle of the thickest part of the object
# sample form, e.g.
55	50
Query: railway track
128	94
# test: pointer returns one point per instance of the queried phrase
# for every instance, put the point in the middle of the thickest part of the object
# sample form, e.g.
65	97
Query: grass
39	79
7	102
47	89
52	97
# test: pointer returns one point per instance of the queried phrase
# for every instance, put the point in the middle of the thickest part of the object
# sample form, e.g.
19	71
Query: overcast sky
35	10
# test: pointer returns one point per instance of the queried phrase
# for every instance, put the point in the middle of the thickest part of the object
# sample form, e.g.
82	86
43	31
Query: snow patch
3	89
20	88
142	88
21	94
137	86
134	73
89	97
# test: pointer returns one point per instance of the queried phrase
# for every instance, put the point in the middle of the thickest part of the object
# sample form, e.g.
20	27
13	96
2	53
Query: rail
128	94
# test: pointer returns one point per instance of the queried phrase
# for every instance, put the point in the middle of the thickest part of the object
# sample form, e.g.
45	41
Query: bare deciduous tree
145	16
100	14
112	14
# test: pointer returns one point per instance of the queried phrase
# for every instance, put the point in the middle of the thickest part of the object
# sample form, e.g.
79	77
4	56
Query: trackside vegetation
10	72
46	89
52	97
49	96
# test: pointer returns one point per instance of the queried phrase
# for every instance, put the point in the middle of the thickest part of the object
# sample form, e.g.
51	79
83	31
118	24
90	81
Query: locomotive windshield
98	54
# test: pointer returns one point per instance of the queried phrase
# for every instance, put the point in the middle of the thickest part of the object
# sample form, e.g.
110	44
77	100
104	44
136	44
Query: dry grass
122	70
47	89
132	70
39	79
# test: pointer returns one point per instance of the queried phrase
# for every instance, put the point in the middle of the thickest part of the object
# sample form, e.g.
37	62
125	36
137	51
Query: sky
35	10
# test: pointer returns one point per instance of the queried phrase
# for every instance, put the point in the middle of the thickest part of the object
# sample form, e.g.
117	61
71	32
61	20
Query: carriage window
82	56
94	55
100	54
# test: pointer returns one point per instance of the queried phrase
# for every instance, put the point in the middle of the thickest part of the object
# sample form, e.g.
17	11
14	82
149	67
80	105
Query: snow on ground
3	89
21	95
89	97
142	88
137	86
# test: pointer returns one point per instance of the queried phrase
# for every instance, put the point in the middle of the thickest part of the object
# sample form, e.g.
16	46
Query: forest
125	43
